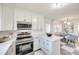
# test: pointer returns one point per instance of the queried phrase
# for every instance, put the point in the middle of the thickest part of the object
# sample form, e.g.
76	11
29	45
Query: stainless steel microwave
21	25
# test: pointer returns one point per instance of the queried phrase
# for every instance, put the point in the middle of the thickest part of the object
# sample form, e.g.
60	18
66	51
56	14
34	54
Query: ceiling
70	10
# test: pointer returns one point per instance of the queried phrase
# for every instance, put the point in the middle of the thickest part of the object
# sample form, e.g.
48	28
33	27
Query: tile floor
39	52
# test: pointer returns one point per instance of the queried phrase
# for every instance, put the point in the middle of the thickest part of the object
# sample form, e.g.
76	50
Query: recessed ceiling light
58	5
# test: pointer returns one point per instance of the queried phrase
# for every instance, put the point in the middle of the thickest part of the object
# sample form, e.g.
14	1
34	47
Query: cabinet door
40	23
48	46
7	17
27	17
34	22
36	44
37	22
19	14
41	43
56	48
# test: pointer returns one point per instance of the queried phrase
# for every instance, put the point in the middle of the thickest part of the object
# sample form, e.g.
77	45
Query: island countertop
52	38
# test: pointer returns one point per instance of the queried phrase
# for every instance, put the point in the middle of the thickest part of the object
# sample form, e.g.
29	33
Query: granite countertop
7	32
5	46
53	38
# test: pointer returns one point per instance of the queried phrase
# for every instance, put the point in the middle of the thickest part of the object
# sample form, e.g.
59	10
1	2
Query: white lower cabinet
50	47
41	43
36	43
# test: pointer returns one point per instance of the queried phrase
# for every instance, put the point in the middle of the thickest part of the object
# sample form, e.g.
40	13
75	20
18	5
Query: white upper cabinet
34	22
7	17
41	23
19	14
27	17
22	15
37	22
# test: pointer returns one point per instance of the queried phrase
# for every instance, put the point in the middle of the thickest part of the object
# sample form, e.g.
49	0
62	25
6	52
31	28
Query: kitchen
29	29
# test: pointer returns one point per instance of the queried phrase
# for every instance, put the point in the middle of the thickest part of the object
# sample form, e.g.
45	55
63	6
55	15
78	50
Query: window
58	27
47	28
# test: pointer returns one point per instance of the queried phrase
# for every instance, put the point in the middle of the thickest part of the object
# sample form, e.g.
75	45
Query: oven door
25	48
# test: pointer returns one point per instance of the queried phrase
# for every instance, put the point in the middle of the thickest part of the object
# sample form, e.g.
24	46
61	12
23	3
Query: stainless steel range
24	42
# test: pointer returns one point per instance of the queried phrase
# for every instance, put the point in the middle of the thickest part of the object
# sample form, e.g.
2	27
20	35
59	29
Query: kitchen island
51	45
